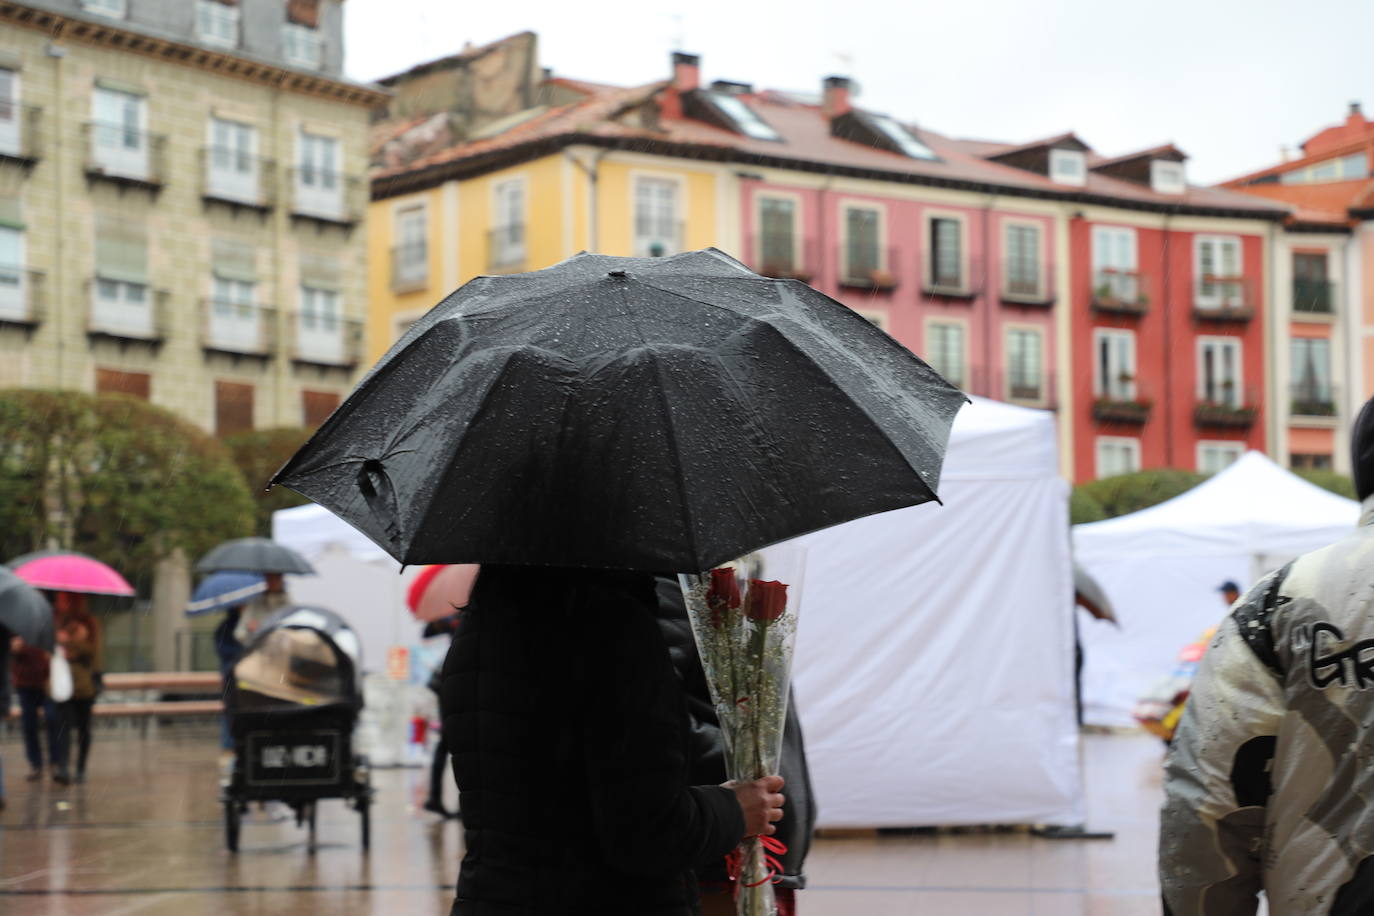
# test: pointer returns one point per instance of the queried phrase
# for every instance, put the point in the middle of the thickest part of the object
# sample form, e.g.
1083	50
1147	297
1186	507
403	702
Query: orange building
1322	310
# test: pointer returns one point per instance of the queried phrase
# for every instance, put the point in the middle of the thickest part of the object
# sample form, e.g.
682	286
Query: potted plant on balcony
882	279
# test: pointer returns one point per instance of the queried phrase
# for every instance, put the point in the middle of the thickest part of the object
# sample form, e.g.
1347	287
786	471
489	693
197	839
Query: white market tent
1161	568
357	579
934	662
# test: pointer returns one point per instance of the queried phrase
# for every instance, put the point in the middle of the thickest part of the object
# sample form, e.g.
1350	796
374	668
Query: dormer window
1167	177
1068	166
904	139
882	132
743	118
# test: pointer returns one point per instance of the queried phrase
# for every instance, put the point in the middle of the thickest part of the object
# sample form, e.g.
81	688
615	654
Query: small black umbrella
24	612
255	555
638	413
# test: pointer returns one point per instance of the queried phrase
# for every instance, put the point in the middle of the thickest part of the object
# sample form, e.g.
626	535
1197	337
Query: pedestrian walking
79	641
255	612
228	649
6	651
438	767
1268	786
38	719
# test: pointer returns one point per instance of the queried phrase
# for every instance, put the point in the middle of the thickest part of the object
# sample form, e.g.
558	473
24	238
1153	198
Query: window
945	351
508	241
1114	265
745	119
117	9
946	254
118	137
217	23
235	323
863	259
319	329
114	381
1025	377
656	217
1167	177
233	163
1068	166
316	406
1114	367
1116	455
1346	168
1311	368
122	302
319	188
1311	289
902	138
301	45
13	279
777	236
1309	461
1023	261
1218	271
10	121
410	258
1219	371
1217	456
233	408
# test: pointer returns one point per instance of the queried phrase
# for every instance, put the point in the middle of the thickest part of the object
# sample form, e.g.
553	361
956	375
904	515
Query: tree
259	454
1126	493
115	477
1084	507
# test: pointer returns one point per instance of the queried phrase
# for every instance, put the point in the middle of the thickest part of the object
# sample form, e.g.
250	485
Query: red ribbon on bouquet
773	851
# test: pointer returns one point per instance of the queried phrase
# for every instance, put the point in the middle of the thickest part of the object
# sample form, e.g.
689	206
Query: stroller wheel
232	820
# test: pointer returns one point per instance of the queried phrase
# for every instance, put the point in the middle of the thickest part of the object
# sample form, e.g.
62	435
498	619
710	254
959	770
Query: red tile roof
807	143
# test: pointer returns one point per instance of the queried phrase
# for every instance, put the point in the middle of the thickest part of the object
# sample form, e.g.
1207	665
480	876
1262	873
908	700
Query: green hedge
1127	493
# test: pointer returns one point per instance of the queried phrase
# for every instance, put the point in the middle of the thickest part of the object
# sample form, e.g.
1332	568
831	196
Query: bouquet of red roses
744	618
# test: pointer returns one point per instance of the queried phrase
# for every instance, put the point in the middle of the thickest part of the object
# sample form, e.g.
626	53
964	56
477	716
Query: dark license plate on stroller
297	758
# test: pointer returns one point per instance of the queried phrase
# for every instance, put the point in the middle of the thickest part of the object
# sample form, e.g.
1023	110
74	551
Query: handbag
59	678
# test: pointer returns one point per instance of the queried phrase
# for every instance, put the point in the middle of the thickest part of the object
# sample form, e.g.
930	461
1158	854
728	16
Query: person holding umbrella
265	557
79	641
575	430
37	712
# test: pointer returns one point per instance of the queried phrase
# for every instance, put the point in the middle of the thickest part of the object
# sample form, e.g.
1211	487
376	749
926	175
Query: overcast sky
1228	81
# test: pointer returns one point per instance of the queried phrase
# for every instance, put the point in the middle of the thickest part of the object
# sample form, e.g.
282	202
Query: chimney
1355	117
835	96
686	71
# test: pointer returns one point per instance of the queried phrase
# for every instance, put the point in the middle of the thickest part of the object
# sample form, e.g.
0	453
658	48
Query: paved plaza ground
145	837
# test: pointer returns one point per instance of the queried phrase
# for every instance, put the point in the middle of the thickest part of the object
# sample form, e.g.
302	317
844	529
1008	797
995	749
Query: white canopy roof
1253	507
1161	568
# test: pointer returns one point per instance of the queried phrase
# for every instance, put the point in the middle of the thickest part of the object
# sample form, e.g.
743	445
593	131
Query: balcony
21	297
19	135
870	269
784	257
506	249
1229	299
1226	408
409	268
1312	400
235	178
1027	289
964	283
1313	297
326	198
124	156
127	312
1125	402
237	329
1120	292
326	341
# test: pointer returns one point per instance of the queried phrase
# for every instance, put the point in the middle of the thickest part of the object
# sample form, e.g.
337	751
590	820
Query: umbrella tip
618	274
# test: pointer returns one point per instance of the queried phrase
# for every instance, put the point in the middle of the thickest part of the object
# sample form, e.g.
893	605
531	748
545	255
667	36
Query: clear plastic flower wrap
744	618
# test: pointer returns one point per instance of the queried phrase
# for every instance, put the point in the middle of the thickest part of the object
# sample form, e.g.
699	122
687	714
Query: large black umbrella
638	413
24	612
255	555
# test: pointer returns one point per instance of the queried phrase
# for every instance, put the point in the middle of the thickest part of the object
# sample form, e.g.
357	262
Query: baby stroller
292	704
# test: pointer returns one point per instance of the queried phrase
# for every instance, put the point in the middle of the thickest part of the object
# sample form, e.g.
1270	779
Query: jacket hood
1362	451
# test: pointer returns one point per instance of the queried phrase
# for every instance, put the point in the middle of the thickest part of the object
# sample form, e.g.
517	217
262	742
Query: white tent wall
934	664
1161	567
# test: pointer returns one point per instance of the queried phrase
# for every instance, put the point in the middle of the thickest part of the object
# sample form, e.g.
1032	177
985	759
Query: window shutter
233	408
121	249
304	12
320	272
112	381
234	260
9	213
317	406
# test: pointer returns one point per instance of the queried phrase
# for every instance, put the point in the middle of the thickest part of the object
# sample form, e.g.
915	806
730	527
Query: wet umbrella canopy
656	414
255	555
24	612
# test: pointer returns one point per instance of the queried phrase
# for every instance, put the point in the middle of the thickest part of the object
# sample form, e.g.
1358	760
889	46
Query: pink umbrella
440	590
71	572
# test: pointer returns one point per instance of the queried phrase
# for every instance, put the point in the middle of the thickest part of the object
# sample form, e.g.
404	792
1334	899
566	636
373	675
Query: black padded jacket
568	731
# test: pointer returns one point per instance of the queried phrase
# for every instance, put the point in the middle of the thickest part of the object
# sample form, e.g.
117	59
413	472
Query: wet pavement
145	837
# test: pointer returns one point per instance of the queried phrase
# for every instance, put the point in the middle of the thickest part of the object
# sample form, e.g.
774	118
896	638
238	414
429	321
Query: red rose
767	600
724	588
